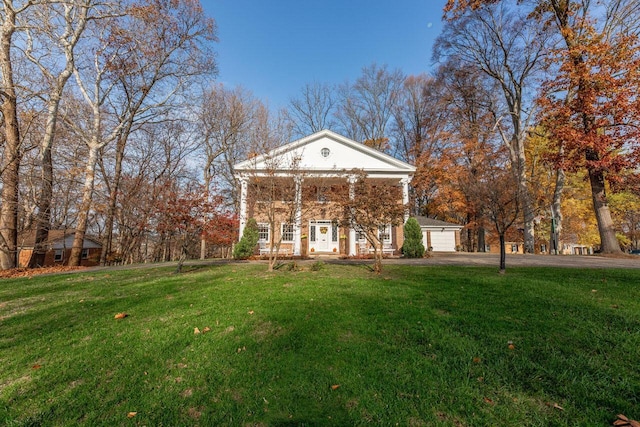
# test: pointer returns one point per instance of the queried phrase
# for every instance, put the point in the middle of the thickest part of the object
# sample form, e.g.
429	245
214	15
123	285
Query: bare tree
157	161
161	51
419	117
365	108
420	135
275	183
51	48
224	121
95	80
508	48
501	199
11	154
313	109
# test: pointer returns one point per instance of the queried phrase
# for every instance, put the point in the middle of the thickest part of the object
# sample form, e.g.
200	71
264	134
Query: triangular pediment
326	152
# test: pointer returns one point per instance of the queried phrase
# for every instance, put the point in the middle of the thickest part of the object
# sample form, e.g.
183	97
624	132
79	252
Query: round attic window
325	152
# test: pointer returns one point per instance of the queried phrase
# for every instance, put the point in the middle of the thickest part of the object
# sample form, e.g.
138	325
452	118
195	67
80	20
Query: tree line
111	114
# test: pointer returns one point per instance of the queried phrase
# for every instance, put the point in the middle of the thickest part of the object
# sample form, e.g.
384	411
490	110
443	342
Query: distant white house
438	235
324	157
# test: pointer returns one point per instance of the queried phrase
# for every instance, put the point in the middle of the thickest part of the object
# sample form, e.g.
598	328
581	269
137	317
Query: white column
405	196
352	231
243	205
297	228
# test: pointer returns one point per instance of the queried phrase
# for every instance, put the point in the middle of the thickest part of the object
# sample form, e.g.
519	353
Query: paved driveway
483	259
458	258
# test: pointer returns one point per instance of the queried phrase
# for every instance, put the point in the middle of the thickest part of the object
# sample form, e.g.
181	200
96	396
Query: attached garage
442	240
438	235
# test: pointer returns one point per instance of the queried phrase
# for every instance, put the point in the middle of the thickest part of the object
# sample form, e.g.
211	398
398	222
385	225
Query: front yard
414	346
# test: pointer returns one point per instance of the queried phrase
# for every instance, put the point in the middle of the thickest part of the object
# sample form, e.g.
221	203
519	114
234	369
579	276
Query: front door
323	237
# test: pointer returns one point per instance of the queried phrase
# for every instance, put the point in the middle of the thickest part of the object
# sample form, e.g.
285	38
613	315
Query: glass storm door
322	231
323	236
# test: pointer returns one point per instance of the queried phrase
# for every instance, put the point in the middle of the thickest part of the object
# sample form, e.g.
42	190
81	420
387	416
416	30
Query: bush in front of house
412	246
247	244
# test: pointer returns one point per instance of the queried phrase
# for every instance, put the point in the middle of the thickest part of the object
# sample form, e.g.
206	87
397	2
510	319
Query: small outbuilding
439	236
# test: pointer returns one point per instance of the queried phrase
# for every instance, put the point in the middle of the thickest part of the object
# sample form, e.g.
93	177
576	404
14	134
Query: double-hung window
263	231
287	232
384	234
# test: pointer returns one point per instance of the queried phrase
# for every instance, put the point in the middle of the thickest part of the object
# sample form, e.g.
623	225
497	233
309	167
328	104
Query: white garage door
443	241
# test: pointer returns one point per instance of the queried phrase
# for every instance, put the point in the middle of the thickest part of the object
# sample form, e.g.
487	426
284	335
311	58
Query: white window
263	231
384	233
57	256
322	195
287	232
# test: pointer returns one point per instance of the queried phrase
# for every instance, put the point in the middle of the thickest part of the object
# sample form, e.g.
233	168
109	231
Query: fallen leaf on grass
196	331
120	316
251	311
489	401
335	386
623	421
206	329
555	406
131	414
476	360
36	366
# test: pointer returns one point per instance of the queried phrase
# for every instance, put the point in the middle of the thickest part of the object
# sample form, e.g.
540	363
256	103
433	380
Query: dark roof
425	221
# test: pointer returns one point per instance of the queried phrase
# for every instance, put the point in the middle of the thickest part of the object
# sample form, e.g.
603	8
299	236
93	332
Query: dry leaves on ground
623	421
29	272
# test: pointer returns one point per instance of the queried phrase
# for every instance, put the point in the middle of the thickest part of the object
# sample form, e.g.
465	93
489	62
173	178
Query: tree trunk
556	212
608	241
377	256
481	240
107	242
46	192
503	255
528	210
10	187
203	247
43	222
11	156
46	180
85	207
470	235
183	255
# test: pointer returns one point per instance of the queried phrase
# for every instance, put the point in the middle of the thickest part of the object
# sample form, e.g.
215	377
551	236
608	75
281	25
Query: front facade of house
307	175
58	249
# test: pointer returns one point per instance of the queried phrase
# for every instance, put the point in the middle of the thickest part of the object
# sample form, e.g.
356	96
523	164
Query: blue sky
274	47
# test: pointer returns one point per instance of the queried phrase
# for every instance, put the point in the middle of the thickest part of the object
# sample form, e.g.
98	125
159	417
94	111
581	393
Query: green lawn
339	346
